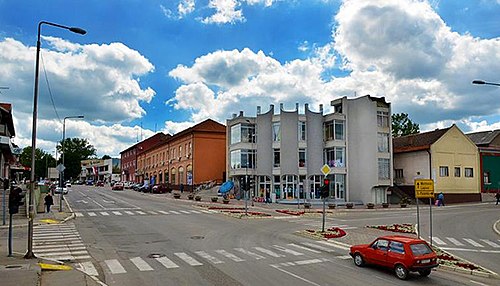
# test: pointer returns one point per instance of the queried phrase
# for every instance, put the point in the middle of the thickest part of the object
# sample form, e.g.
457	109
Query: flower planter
197	198
370	205
385	205
215	199
349	205
190	197
332	206
225	202
307	205
403	205
177	196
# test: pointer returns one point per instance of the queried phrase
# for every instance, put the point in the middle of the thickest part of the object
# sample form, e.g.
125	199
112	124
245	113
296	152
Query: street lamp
478	81
29	253
61	174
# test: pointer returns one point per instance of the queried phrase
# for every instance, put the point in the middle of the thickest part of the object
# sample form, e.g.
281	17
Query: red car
401	253
118	186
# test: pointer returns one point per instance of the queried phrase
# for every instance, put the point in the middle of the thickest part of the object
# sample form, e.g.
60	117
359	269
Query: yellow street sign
424	188
325	169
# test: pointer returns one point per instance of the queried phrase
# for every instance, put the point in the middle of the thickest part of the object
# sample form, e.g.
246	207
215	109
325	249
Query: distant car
68	185
145	188
90	183
99	184
160	189
118	186
58	190
401	253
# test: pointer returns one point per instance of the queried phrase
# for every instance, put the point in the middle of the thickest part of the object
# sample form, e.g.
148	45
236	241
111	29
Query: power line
50	91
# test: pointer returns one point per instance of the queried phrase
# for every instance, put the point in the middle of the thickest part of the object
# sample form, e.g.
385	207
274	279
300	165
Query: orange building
191	157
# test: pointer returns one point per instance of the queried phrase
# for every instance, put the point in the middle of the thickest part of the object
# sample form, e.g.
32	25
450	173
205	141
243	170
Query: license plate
425	261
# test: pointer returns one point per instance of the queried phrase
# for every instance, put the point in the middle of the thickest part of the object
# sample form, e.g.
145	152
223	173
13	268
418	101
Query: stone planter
190	196
349	205
177	196
214	199
332	206
197	198
225	201
370	205
403	205
307	205
385	205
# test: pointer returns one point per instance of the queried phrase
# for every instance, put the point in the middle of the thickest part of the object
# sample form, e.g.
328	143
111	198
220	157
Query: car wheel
424	273
401	272
358	260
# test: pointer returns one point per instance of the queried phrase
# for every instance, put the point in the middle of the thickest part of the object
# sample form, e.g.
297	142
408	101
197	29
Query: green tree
105	157
75	150
42	161
402	125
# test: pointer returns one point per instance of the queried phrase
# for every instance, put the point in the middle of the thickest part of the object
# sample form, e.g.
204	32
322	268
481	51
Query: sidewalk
17	270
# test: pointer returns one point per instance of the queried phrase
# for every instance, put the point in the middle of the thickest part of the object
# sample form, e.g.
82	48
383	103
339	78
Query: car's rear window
420	249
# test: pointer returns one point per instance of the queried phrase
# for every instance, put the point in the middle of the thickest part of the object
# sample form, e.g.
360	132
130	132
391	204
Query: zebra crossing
315	222
59	242
178	260
478	243
138	212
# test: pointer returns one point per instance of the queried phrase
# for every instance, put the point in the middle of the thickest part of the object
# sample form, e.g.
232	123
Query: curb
495	227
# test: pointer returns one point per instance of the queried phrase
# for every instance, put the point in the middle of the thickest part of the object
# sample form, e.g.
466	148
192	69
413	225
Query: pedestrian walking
181	188
497	196
49	201
441	199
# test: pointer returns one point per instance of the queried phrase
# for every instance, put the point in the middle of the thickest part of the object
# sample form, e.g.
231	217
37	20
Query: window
469	173
302	131
276	132
173	172
383	169
333	130
457	171
486	178
302	157
242	159
381	244
397	247
382	119
383	142
398	173
276	158
235	134
443	171
180	151
248	133
335	157
420	249
181	175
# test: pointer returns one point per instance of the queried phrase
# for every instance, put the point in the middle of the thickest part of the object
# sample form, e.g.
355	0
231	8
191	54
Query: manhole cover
197	237
156	255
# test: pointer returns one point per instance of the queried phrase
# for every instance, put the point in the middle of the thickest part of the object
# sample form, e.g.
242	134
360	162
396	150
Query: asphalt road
145	239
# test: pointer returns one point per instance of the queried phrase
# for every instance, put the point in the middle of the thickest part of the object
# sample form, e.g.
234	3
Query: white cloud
185	7
226	11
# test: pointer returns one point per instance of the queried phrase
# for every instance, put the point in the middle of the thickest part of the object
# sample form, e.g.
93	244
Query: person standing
441	199
497	196
49	201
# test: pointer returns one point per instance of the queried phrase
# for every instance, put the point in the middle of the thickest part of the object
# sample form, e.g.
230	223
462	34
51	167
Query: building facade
7	132
96	170
284	153
447	156
188	158
488	143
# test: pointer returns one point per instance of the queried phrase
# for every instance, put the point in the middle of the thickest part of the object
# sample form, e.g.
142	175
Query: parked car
160	189
68	185
99	184
401	253
118	186
58	190
90	182
145	188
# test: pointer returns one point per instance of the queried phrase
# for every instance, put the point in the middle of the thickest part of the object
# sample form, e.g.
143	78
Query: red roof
417	142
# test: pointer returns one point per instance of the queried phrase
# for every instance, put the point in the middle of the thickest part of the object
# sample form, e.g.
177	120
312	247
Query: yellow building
447	156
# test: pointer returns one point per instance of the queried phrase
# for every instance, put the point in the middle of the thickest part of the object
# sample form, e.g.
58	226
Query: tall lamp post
61	174
478	81
29	254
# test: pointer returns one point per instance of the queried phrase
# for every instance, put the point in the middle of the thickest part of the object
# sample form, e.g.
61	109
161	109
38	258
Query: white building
284	152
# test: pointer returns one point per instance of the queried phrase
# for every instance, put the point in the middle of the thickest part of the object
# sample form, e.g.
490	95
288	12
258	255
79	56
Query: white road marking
141	264
249	253
65	253
206	211
175	212
310	261
438	241
335	244
344	257
209	257
140	212
195	212
185	212
114	266
490	243
54	235
304	248
455	241
104	213
129	212
478	283
229	255
70	257
92	214
310	244
292	252
268	252
163	212
153	212
116	213
294	275
40	247
98	203
473	242
167	262
471	250
58	249
188	259
59	240
78	214
88	268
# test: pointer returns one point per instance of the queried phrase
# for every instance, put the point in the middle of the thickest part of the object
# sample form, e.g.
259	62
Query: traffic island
333	232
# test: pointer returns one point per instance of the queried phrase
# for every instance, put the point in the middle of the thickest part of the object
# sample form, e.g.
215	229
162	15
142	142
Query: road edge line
495	227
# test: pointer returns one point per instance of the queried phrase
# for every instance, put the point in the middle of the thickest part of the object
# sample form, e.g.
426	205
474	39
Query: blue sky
167	65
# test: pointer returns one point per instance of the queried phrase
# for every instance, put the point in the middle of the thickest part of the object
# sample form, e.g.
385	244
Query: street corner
45	266
49	221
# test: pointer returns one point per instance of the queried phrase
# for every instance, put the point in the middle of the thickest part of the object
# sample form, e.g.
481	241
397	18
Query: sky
151	66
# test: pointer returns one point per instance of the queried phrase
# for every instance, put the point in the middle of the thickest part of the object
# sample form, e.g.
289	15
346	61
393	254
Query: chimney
306	107
297	106
321	108
241	113
234	115
281	106
258	110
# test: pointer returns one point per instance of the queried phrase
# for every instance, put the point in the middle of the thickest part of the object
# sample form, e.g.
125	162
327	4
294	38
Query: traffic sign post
424	189
325	170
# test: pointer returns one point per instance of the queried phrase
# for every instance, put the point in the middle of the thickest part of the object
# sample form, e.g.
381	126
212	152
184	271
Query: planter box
349	206
214	200
370	206
225	202
403	205
385	205
307	205
177	196
197	198
332	206
190	197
